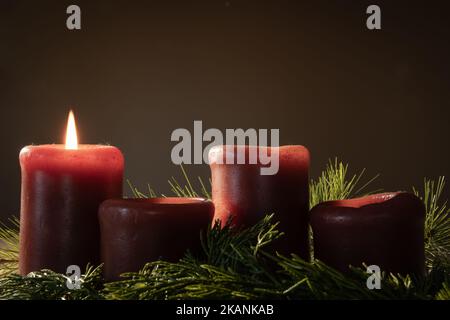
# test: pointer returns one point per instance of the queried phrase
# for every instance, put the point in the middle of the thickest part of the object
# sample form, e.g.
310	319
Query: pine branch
49	285
444	293
333	184
437	221
138	194
184	190
188	279
227	246
237	264
319	281
187	190
232	268
9	247
240	264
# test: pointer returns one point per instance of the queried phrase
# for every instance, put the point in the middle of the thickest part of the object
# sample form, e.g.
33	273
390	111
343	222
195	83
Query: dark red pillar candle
241	191
385	229
137	231
62	190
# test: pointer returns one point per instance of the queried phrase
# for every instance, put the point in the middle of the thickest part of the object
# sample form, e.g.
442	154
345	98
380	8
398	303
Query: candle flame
71	133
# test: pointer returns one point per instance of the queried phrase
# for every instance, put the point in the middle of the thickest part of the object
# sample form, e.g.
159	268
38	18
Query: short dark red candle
62	190
241	191
385	229
137	231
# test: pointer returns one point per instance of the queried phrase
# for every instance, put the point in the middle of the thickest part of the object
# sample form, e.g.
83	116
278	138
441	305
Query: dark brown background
140	69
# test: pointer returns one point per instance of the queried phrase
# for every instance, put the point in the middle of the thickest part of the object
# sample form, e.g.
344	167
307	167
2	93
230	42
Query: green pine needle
333	184
437	221
49	285
187	190
9	247
444	293
138	194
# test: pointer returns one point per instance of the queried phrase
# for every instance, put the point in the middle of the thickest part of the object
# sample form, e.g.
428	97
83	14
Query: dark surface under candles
241	192
137	231
386	230
61	193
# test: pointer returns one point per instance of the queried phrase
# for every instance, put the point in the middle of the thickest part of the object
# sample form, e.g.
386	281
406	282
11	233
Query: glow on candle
71	133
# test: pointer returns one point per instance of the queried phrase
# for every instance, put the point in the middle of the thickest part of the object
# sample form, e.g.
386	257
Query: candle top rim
155	206
284	151
59	150
158	201
387	207
60	146
52	156
365	201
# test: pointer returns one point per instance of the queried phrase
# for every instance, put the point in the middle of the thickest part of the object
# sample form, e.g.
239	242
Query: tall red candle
241	191
137	231
62	189
385	229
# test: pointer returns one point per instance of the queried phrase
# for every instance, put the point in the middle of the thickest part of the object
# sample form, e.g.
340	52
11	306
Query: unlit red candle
137	231
241	192
385	229
62	189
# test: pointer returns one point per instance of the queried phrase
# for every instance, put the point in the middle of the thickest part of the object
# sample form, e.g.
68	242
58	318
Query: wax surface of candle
386	230
137	231
62	190
242	192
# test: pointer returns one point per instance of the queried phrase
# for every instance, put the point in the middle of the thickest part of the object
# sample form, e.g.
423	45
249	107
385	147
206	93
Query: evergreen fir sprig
227	246
437	221
178	189
188	279
444	293
334	184
49	285
9	247
140	195
321	282
187	190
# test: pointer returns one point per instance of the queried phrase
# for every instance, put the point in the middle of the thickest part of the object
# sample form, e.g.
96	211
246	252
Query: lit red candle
137	231
62	189
385	229
241	191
